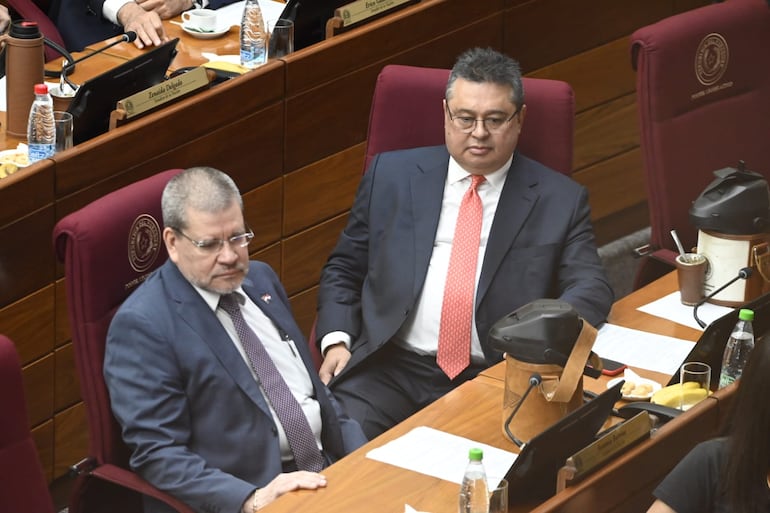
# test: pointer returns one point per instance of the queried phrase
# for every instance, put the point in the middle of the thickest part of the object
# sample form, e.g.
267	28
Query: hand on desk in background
147	25
5	19
165	8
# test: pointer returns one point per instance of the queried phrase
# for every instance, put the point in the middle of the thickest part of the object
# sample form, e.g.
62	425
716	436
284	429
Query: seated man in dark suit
209	376
444	241
83	22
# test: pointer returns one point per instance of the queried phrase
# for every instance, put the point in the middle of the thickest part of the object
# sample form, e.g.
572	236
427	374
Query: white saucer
219	32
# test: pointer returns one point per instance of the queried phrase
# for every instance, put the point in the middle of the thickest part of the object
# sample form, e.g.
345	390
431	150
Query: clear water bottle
41	133
474	493
253	36
738	347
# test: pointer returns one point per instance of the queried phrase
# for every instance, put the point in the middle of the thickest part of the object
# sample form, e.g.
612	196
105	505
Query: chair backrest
29	10
23	485
407	112
108	248
703	96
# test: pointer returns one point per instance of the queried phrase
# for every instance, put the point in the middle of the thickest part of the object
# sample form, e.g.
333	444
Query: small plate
219	32
655	386
18	157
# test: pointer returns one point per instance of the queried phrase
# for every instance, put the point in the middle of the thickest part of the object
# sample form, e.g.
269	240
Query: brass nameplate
164	92
362	10
603	449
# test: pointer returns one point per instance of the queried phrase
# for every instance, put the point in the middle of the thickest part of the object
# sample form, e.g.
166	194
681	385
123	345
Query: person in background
209	375
5	19
444	241
730	474
83	22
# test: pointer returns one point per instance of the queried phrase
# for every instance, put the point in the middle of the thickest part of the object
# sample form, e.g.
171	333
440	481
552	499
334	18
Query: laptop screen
533	474
97	97
711	345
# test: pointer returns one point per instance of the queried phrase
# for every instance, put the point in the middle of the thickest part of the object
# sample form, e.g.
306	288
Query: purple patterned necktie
290	414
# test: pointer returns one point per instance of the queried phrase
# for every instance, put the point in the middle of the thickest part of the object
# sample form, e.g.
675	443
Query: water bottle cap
41	89
746	315
25	29
475	454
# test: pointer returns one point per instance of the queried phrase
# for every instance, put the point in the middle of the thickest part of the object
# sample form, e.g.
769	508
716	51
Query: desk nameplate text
165	92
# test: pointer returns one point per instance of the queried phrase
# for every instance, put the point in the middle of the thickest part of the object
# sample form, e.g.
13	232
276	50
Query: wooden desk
292	136
357	483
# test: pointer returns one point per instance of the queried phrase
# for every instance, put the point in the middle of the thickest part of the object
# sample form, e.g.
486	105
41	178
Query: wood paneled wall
292	135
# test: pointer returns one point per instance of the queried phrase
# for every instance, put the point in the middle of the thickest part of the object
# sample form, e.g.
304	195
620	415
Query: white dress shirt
419	333
285	356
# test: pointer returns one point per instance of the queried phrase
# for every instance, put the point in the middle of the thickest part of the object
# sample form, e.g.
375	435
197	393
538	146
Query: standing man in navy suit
195	409
381	307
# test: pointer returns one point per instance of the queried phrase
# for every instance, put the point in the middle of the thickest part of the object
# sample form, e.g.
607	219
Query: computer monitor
96	98
533	473
710	346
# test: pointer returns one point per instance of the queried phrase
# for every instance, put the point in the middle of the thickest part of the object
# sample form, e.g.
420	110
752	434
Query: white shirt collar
212	298
495	179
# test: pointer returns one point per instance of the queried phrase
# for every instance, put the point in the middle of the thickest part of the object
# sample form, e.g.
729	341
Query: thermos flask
24	67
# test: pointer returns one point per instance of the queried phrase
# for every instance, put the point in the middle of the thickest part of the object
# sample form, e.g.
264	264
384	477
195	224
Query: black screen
97	97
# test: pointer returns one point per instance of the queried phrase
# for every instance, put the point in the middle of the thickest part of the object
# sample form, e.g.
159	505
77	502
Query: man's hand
335	359
165	8
146	24
284	483
5	19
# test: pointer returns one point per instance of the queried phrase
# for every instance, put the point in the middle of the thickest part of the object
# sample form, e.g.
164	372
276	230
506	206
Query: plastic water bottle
41	133
474	493
253	36
738	347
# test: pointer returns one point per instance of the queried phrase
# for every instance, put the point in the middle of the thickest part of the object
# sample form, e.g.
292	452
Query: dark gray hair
201	188
482	65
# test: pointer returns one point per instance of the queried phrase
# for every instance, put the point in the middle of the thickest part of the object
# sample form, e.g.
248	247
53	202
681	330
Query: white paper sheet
439	454
670	307
641	349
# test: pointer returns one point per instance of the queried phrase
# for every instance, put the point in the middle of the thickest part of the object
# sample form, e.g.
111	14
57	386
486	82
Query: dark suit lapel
427	191
202	321
517	199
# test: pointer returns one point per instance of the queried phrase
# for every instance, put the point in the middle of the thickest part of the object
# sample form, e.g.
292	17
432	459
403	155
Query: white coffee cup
203	20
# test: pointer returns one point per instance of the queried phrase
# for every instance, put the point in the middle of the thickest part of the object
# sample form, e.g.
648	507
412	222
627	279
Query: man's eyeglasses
215	245
467	124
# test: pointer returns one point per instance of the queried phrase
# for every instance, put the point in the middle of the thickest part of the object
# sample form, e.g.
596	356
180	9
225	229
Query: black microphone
128	37
743	274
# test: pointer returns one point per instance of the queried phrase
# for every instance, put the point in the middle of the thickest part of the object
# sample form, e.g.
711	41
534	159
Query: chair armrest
131	480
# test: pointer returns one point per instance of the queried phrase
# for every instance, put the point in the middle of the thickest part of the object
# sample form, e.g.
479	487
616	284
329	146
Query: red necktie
454	339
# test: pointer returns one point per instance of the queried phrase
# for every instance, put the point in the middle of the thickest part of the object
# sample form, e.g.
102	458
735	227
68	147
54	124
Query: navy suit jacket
80	22
194	417
541	245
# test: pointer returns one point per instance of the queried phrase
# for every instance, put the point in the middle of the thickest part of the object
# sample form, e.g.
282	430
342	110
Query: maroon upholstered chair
703	95
108	248
23	485
29	10
407	112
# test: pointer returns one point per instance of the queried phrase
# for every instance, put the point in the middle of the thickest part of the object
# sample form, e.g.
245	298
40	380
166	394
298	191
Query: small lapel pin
267	298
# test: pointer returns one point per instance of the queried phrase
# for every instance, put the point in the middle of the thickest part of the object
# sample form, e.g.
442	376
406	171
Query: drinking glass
63	124
498	495
695	380
281	39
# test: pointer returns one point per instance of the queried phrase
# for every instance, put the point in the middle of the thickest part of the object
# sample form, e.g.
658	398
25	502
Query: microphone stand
743	274
128	37
534	380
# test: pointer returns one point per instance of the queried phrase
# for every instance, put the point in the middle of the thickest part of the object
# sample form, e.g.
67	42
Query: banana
674	395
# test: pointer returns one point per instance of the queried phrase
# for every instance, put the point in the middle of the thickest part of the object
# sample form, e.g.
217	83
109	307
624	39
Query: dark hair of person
483	65
748	428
